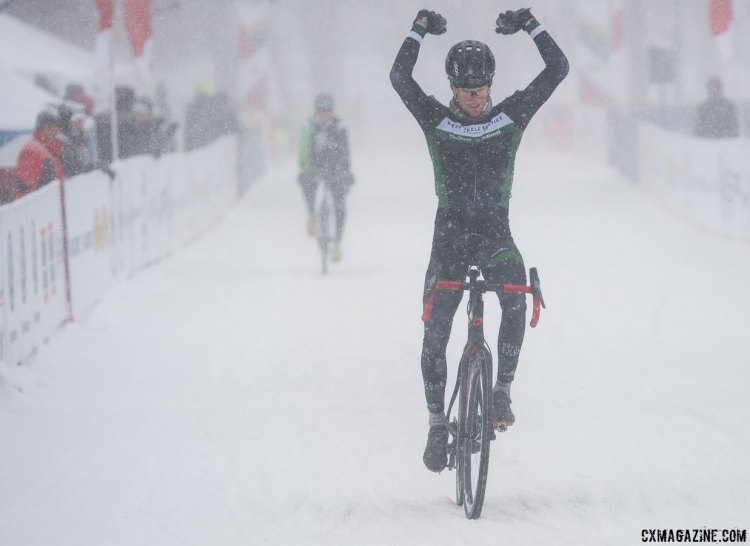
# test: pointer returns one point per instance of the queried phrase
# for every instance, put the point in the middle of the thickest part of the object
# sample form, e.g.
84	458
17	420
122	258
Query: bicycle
325	216
471	432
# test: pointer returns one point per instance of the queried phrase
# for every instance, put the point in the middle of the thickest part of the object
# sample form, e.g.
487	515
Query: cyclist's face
472	101
324	117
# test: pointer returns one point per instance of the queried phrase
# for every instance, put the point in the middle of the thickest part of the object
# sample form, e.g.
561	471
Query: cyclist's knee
514	304
435	342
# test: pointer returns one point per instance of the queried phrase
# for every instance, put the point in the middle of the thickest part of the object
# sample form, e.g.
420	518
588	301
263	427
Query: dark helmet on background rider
46	118
324	103
470	64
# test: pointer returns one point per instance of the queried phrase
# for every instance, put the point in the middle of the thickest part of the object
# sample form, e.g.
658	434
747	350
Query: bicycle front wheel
325	233
477	432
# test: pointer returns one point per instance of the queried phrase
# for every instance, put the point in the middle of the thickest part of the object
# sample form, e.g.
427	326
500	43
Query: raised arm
418	103
556	63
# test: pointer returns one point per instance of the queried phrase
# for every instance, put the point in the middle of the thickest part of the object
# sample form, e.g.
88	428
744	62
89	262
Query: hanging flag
617	25
720	16
103	51
137	14
720	20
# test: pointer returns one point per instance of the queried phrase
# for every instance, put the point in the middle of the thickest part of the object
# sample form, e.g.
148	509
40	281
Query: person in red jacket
39	163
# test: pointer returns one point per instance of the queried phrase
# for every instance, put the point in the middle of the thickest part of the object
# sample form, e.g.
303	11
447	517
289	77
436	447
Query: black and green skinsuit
324	157
473	161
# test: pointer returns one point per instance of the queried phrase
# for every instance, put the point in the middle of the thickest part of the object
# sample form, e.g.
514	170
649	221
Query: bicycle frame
475	376
475	312
325	211
475	309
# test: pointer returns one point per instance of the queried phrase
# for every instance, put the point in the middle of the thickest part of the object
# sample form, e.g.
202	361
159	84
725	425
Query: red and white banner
617	26
137	14
720	16
720	19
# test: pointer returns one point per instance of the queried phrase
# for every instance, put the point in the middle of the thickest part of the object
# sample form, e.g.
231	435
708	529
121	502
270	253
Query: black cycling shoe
502	415
436	453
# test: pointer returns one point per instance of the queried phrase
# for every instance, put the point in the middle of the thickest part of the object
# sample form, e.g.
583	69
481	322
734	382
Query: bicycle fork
474	344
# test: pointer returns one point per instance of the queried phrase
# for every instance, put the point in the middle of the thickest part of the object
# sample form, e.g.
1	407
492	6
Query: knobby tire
474	448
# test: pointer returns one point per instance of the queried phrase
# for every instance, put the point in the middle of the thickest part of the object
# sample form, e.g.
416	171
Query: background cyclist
324	157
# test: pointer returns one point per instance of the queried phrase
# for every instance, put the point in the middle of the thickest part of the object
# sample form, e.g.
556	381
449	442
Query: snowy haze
231	395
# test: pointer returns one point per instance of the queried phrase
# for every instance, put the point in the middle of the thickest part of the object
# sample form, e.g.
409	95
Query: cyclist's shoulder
434	113
338	127
514	105
437	108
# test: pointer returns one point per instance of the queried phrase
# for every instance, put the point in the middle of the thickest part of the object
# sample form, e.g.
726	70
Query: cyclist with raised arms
473	145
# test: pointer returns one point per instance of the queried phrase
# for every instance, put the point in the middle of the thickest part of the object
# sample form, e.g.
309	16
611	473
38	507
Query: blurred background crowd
180	72
70	138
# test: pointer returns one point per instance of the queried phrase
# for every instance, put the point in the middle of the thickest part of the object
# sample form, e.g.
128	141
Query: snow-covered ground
231	395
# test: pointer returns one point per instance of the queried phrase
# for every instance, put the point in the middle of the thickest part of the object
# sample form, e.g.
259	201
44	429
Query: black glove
436	23
511	22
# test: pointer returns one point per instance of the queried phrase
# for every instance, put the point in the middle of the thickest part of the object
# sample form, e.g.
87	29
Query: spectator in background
138	131
74	92
198	118
716	117
161	107
139	137
208	116
76	154
156	131
162	113
39	163
148	134
124	102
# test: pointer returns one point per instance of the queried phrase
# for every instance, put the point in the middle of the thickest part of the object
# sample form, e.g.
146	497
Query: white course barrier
114	227
33	301
90	245
706	181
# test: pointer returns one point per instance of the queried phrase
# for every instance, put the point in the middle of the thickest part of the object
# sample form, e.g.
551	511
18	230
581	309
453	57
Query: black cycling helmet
47	118
470	64
324	103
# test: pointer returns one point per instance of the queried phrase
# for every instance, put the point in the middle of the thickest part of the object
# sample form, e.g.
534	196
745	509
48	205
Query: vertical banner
261	101
720	21
137	15
103	58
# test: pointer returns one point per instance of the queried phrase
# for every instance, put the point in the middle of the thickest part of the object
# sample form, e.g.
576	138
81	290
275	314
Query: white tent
21	102
30	51
25	52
